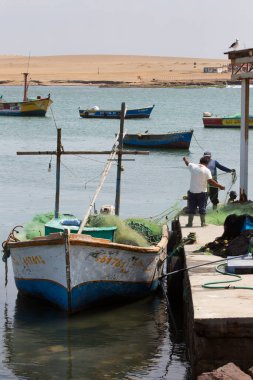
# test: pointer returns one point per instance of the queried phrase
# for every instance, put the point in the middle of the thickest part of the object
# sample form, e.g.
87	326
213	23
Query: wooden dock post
244	140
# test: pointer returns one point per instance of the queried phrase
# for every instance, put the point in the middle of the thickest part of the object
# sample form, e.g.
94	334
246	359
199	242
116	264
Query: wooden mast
25	86
116	150
119	167
58	174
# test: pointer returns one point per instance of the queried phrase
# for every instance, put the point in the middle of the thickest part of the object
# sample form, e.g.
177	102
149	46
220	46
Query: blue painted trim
28	113
85	295
134	113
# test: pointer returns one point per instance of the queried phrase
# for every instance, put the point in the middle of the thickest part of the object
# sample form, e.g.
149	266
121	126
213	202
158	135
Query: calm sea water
126	342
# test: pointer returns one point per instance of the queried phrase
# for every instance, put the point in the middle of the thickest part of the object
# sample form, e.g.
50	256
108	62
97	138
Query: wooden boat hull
37	107
224	122
75	272
171	140
138	113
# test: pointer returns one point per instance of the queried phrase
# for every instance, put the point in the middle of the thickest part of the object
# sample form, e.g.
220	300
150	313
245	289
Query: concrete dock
219	322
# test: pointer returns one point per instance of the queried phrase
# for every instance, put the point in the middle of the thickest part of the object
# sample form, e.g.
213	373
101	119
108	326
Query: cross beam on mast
117	150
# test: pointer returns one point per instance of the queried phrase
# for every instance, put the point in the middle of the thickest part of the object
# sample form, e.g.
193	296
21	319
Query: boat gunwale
88	240
30	101
160	134
107	110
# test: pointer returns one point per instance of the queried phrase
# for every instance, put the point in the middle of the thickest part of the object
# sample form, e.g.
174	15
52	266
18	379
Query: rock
227	372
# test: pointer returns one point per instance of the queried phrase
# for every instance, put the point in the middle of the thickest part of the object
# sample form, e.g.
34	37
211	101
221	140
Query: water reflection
126	342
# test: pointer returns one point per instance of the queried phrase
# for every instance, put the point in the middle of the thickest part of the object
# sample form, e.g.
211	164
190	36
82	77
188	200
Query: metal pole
119	168
244	140
58	172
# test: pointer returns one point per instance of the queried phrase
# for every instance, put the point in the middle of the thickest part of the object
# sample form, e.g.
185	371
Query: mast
119	167
117	149
25	86
58	174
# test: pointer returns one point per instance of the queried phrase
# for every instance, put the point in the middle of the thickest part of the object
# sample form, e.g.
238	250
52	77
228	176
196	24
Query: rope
201	265
6	251
201	147
168	214
162	284
51	109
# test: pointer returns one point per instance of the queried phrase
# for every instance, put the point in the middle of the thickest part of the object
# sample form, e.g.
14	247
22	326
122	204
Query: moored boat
170	140
76	266
96	113
27	107
76	271
230	121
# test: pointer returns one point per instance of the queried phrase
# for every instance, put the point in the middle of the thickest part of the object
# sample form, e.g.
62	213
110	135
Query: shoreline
114	71
121	84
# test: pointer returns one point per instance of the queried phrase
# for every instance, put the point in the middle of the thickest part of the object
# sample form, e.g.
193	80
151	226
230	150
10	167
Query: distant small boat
170	140
27	107
230	121
96	113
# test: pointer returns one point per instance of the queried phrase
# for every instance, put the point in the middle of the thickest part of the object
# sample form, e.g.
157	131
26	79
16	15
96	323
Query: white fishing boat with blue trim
96	113
78	271
75	266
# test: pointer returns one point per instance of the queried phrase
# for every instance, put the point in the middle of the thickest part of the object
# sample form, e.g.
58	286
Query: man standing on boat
197	195
212	166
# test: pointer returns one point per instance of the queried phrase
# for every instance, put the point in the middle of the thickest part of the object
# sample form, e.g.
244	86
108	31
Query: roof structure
242	63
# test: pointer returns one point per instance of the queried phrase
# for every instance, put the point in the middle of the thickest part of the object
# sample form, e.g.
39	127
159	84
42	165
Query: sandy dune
109	69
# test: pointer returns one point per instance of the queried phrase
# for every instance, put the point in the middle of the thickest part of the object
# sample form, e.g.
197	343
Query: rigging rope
197	142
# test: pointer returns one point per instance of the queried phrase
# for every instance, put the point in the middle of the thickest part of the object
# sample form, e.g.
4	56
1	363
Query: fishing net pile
137	232
36	227
219	215
237	238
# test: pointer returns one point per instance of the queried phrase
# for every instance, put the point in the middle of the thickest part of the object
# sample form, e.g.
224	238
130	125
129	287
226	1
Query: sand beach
111	70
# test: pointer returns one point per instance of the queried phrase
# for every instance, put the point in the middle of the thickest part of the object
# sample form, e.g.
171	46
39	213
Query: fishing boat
75	267
27	107
78	271
96	113
229	121
170	140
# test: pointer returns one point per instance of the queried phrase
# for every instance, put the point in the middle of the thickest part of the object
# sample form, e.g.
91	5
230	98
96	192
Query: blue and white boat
77	271
170	140
96	113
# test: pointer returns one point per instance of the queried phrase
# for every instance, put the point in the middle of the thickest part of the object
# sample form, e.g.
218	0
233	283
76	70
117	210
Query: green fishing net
134	231
151	230
138	232
36	227
219	215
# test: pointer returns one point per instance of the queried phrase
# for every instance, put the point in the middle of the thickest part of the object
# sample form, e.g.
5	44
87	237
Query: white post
244	140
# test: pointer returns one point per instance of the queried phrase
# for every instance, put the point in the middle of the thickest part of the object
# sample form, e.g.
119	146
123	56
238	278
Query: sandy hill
110	69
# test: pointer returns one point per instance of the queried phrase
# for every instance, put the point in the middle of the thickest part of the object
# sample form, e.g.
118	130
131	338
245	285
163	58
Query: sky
169	28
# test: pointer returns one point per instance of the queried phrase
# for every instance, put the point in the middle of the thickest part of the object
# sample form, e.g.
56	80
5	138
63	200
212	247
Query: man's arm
186	161
223	168
215	184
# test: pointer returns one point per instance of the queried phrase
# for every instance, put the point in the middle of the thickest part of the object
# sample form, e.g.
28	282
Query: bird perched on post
234	45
